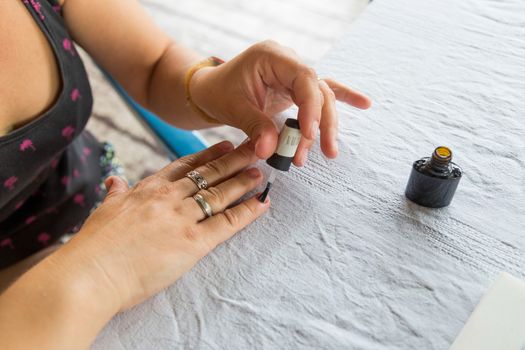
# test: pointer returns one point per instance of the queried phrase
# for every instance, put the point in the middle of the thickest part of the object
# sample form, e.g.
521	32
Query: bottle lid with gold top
433	180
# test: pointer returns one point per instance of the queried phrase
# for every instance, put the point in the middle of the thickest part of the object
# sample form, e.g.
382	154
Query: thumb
115	185
261	130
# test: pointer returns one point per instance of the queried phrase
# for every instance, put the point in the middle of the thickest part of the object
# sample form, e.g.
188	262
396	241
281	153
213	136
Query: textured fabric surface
342	260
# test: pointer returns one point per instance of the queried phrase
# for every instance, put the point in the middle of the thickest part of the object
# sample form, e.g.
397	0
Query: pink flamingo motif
76	173
65	180
68	132
54	163
19	205
75	95
57	8
68	46
86	152
7	242
37	6
27	143
44	238
10	182
79	199
30	220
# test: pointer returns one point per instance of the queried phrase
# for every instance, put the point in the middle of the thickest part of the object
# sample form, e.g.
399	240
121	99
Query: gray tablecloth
342	259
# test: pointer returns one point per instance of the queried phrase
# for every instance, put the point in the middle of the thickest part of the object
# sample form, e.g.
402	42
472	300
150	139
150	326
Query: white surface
343	260
224	28
498	322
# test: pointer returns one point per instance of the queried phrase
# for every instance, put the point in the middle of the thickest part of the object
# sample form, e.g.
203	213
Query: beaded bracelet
209	62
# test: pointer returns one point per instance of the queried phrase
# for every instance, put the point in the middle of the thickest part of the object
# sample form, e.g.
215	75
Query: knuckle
165	189
290	51
250	126
142	187
268	44
216	195
152	210
231	217
217	166
252	213
308	72
246	153
186	161
330	94
322	99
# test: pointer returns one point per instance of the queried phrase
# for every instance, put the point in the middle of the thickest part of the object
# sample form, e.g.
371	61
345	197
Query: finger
345	94
224	194
115	185
302	151
181	166
219	169
286	71
259	128
222	226
329	121
308	98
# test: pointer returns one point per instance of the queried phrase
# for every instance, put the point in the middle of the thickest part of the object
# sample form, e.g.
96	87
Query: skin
142	239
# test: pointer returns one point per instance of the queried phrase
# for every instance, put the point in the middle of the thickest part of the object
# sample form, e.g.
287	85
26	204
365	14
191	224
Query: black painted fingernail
264	194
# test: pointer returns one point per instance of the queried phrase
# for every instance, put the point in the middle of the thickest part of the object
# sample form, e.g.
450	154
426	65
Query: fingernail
225	146
315	127
265	200
253	173
304	155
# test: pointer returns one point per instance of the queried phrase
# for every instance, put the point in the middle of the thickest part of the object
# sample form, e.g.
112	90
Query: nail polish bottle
282	158
433	180
287	146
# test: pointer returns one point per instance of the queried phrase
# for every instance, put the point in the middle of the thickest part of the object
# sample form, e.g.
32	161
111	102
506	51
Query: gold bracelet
209	62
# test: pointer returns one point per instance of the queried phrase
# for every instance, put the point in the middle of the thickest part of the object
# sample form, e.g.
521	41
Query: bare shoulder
27	67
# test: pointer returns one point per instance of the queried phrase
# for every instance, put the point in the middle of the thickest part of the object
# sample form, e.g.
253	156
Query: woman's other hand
142	239
264	80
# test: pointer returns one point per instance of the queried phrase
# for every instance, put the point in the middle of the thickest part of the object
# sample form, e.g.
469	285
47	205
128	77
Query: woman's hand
142	239
264	80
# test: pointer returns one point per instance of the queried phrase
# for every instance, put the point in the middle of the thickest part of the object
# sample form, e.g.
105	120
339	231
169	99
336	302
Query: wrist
57	302
84	280
198	85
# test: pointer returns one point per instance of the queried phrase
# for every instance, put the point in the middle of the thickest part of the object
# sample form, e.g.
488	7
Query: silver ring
205	206
198	179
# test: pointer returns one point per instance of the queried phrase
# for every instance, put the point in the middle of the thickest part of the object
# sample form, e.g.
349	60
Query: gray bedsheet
342	260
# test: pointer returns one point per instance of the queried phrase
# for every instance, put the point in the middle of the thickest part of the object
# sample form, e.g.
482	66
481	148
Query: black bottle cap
292	123
280	161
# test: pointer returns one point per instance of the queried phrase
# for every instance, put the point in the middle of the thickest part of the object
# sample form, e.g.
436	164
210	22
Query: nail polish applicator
282	158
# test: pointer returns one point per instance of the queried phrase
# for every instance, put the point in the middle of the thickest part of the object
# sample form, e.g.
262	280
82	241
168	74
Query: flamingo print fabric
50	168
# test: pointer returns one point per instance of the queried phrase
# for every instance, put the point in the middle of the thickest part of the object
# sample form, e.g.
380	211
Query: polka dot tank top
49	169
